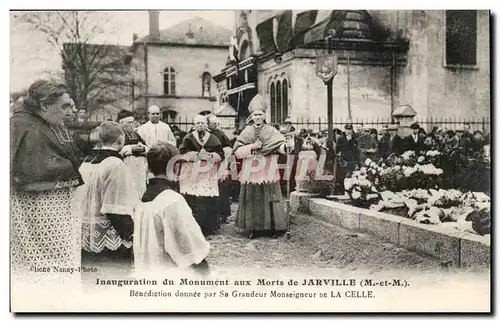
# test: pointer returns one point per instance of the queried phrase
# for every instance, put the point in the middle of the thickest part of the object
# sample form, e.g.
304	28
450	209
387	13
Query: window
279	100
169	116
169	81
273	103
206	80
223	99
285	99
461	37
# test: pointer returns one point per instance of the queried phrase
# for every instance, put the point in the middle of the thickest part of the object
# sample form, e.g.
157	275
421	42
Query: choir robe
200	188
166	234
154	133
136	162
106	202
225	181
44	173
261	208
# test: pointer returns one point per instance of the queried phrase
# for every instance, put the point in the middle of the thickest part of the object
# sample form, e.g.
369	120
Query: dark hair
109	132
373	131
124	114
43	92
159	156
478	131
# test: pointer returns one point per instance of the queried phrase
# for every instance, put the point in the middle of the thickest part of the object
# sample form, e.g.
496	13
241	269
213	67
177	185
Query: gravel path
313	244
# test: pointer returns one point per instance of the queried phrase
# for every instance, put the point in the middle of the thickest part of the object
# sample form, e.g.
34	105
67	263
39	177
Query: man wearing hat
396	144
347	150
384	140
465	139
414	142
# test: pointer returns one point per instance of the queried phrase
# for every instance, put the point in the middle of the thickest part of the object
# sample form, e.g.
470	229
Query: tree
96	74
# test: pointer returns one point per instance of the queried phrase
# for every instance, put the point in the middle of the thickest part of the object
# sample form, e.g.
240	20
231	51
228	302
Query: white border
189	4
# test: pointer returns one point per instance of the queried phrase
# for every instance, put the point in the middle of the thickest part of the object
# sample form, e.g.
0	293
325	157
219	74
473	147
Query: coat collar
203	140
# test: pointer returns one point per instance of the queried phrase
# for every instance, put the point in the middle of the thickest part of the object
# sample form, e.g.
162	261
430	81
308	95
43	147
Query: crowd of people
136	192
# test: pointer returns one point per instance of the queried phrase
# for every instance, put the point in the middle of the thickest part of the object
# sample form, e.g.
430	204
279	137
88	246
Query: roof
404	110
226	110
204	33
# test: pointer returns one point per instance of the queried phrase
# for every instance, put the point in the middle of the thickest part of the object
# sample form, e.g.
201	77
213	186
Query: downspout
146	74
393	80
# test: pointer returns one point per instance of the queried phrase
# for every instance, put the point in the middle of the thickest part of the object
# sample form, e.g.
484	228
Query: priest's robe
199	178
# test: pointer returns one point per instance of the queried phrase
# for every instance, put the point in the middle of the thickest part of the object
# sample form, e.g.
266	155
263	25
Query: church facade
438	62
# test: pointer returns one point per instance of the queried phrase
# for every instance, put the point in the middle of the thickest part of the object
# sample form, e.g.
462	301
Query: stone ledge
299	201
460	249
475	251
335	213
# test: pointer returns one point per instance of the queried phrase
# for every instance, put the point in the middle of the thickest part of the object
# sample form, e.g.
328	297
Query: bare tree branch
95	74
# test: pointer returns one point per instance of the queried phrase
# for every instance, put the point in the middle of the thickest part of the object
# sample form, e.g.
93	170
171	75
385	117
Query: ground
313	243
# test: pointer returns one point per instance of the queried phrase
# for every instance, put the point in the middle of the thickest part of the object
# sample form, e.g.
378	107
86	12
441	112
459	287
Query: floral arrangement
468	211
361	185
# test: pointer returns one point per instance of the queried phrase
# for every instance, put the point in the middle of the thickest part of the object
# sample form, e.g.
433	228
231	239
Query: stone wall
189	63
423	82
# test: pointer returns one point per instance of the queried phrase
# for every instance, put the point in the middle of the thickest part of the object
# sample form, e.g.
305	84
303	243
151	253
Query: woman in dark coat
44	173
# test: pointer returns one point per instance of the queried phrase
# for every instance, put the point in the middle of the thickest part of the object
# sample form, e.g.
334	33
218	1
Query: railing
483	124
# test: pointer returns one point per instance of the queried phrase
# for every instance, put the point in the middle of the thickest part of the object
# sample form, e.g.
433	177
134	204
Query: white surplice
153	133
109	188
166	235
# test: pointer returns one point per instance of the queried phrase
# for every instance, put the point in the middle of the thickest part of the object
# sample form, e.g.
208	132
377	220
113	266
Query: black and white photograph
258	161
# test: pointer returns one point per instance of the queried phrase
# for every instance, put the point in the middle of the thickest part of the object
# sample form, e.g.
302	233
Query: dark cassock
106	203
202	153
44	173
224	180
261	209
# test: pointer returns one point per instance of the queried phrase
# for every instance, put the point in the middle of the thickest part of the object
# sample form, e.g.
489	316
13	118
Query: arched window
223	98
273	103
169	116
285	99
206	81
169	81
279	99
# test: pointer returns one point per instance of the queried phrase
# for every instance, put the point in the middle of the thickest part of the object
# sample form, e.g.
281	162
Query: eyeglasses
154	113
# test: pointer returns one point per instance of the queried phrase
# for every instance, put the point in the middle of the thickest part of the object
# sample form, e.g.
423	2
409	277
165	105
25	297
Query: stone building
438	62
173	68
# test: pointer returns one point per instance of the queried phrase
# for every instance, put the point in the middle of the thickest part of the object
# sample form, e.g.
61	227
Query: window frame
445	54
207	95
169	81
